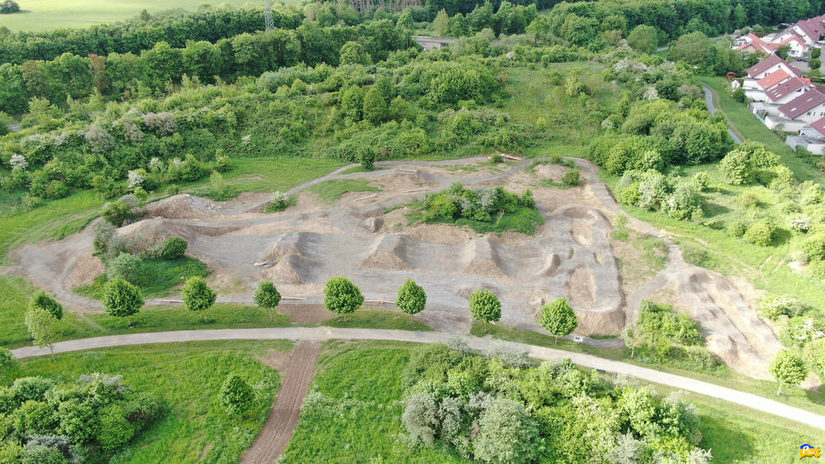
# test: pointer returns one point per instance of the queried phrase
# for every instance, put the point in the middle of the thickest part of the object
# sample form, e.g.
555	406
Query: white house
811	137
799	113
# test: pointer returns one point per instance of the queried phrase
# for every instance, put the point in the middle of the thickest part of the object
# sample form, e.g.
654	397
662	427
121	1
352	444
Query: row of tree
143	33
122	75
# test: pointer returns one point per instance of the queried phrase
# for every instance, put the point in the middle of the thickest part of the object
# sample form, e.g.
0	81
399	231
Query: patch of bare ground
273	439
581	286
305	313
553	172
85	270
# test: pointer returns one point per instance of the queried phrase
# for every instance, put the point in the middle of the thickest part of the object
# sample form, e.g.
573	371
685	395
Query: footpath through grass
187	378
358	384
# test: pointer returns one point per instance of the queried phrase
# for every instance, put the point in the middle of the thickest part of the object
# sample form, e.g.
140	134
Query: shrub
117	213
411	297
814	248
760	233
9	6
162	123
173	248
7	361
737	229
122	299
237	396
496	158
280	201
99	140
788	367
42	300
124	266
774	307
506	433
571	177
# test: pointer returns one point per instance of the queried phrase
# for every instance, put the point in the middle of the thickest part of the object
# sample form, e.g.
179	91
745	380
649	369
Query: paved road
712	109
328	333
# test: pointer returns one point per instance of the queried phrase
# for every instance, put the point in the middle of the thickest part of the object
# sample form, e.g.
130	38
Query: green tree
816	53
558	318
41	325
173	248
43	300
814	355
197	296
122	299
352	102
506	433
695	49
411	297
441	24
458	26
7	361
788	367
236	396
375	106
267	297
739	17
644	38
354	53
485	306
342	296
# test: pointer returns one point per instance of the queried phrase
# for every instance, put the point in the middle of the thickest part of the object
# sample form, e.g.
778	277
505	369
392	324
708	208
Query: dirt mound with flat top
183	206
292	269
581	286
384	260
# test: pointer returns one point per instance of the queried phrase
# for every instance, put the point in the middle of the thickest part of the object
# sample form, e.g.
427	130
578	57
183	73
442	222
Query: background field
41	15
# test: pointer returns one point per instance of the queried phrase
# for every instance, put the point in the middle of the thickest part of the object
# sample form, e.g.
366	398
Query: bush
760	233
173	248
237	396
117	213
571	177
280	201
9	6
737	229
814	248
773	307
122	299
124	266
197	296
44	301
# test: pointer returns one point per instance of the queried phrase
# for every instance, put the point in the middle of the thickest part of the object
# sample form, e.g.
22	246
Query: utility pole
269	22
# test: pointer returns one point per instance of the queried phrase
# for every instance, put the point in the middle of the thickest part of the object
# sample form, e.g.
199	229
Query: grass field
186	378
360	386
156	277
331	190
42	15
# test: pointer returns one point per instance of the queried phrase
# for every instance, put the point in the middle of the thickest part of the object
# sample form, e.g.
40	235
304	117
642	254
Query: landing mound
183	206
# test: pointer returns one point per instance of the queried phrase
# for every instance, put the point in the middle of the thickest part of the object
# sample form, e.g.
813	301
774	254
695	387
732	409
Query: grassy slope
187	378
43	15
364	381
331	190
156	278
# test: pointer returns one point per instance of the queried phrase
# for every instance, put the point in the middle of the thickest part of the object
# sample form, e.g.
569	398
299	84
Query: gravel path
273	439
712	109
328	333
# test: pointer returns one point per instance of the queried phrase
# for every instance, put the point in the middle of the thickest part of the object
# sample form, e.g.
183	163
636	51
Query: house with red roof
769	65
787	91
752	43
811	137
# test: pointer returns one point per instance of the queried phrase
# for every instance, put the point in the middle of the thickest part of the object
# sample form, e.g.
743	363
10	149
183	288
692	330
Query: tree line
122	75
141	34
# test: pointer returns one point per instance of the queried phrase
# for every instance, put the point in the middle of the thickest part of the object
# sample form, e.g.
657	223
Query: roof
784	89
773	78
764	65
802	104
819	126
808	30
754	42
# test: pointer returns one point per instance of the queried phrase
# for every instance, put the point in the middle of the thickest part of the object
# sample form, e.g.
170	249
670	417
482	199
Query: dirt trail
273	439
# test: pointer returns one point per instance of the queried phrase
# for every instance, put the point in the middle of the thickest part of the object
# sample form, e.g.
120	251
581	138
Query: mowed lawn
43	15
357	416
187	379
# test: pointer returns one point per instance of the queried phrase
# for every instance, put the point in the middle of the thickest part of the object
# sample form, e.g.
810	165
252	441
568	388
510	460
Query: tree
197	296
441	24
411	297
485	306
9	6
7	361
558	318
122	299
695	49
353	53
788	367
41	325
42	300
644	38
267	296
375	106
506	433
342	296
236	395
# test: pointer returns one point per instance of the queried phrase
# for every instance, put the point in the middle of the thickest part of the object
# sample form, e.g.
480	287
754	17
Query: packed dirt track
368	237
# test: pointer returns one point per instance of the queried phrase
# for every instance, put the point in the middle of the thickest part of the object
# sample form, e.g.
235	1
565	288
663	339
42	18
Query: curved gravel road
328	333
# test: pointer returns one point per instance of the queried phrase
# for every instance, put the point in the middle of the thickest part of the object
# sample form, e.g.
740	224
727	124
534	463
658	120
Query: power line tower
269	22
